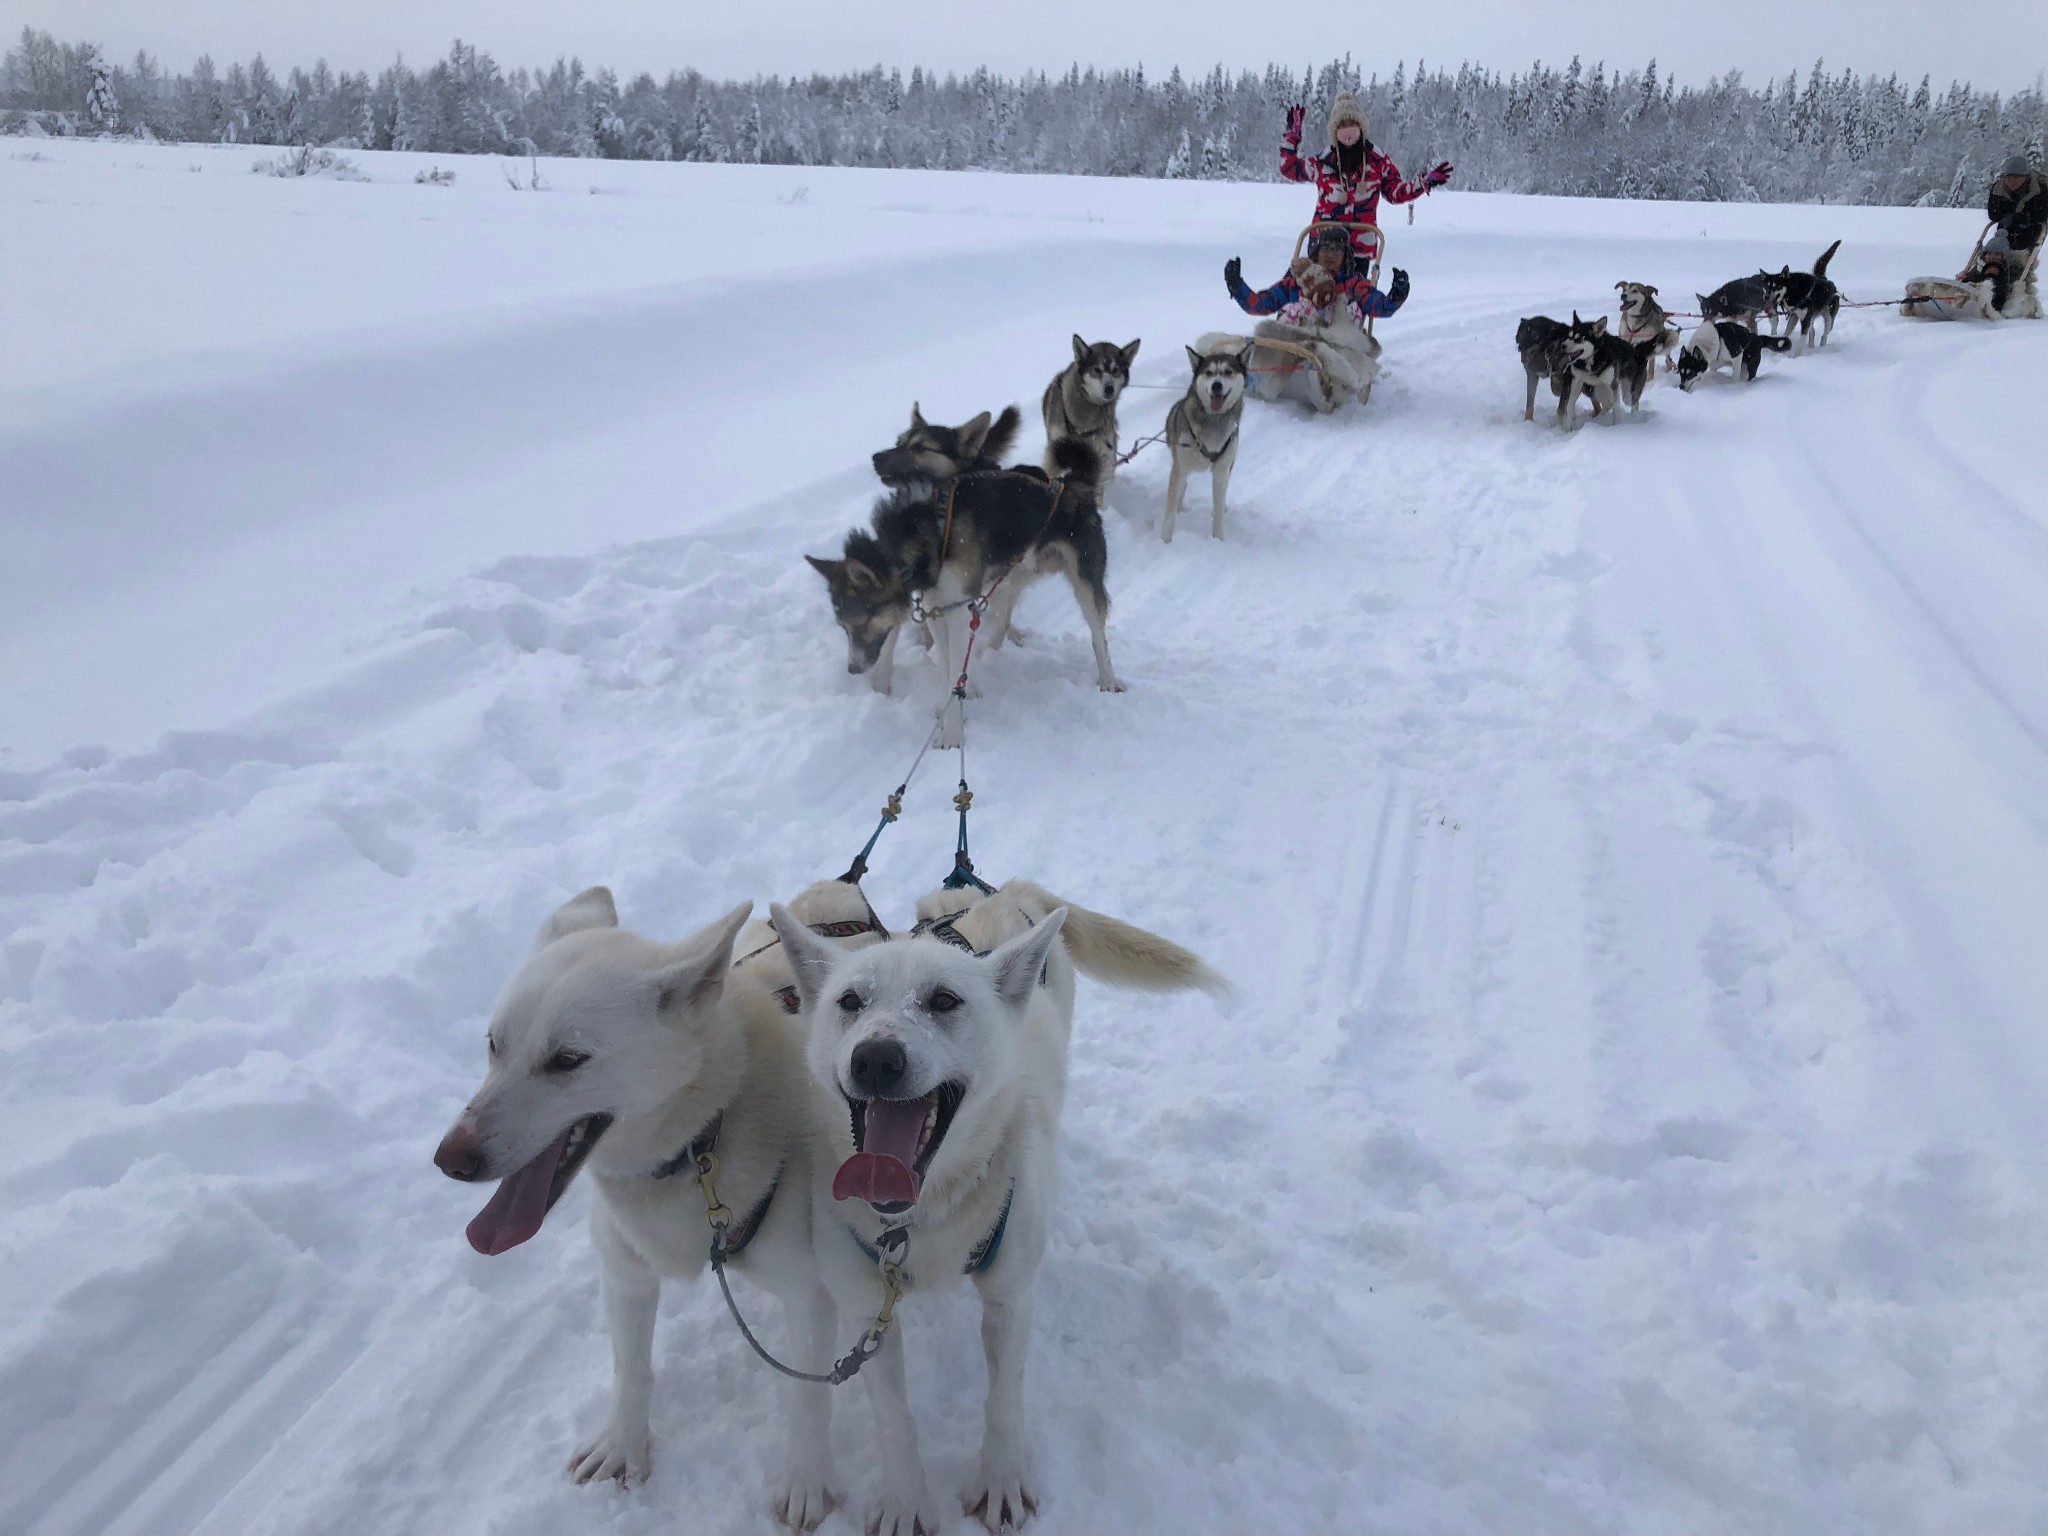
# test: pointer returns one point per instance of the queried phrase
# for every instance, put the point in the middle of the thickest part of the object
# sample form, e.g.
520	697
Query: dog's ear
593	908
1016	966
1619	286
1129	352
861	578
1652	292
973	434
832	570
1080	350
1600	326
810	957
1195	359
916	416
692	973
1244	356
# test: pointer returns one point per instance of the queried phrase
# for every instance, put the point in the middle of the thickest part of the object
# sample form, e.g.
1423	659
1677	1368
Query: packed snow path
1631	847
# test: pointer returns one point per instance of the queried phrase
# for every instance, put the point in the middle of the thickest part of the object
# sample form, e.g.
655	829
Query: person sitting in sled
1311	286
2018	205
1351	176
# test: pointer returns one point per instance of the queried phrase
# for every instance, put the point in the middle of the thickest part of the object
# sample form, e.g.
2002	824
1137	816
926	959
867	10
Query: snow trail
1629	847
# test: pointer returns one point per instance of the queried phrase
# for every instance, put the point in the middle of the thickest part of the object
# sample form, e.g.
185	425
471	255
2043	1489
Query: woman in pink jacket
1351	176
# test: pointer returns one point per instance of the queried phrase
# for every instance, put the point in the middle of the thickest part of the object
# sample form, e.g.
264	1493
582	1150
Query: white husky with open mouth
942	1060
640	1060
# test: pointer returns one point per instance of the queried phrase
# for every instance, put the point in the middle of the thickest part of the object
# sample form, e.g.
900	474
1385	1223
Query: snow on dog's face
597	1025
1104	368
1219	378
919	1038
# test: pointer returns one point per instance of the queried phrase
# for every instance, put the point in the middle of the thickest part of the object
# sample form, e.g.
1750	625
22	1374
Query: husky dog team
854	1118
1612	369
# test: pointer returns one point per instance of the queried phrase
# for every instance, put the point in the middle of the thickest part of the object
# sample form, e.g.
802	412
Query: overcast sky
2001	44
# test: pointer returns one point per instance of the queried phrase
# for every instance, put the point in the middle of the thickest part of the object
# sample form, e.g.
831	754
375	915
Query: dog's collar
692	1158
980	1258
701	1146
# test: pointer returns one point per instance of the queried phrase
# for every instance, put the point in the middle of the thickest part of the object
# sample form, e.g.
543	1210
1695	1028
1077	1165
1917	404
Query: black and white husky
1721	344
1202	428
935	546
1741	299
1080	403
1807	299
1609	370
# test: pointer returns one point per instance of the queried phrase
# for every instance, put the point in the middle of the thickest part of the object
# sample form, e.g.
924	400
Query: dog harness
844	929
979	1259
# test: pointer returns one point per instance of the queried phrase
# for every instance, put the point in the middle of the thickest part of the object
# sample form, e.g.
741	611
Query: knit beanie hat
1347	110
2018	165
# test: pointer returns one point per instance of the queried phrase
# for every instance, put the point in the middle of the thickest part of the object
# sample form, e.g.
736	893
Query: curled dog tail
1002	435
1776	343
1121	954
1077	462
1820	268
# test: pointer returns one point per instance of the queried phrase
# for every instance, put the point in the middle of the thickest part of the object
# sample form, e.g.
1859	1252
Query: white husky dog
645	1061
941	1060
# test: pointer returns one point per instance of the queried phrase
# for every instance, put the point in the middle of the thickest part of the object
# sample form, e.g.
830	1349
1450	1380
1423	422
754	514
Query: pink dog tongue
882	1172
516	1211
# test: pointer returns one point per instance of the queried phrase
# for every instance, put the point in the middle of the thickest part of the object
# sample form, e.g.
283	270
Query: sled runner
1950	298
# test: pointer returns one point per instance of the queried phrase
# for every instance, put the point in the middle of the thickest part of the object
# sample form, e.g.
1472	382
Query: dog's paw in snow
999	1499
803	1501
1112	686
893	1516
617	1455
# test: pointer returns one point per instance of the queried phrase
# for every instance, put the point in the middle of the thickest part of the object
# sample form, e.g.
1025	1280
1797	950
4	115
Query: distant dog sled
1965	298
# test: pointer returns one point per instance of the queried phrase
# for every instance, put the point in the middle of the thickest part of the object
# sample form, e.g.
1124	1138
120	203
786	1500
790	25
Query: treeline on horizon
1570	131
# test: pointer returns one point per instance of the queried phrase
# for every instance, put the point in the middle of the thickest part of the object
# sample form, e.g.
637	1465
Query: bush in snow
308	161
434	176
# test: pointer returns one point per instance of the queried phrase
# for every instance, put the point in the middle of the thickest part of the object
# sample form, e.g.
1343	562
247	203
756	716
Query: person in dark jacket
1351	176
2018	205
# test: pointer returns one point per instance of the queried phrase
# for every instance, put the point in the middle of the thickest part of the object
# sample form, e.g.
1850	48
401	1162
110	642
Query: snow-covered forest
1575	130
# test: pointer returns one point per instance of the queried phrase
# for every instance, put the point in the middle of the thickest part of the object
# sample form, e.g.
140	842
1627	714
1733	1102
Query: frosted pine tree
102	107
1179	165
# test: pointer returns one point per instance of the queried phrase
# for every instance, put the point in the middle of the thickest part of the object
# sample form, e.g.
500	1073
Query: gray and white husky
1081	400
940	1064
627	1056
1202	428
937	546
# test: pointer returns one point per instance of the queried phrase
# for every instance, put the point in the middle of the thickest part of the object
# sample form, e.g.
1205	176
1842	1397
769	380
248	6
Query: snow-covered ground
1632	848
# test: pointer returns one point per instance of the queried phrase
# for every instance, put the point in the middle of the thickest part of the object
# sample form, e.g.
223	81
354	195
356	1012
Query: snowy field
1631	847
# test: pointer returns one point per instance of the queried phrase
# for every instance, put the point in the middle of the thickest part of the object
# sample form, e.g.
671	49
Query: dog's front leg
804	1497
1176	488
631	1288
883	673
906	1506
999	1495
1219	490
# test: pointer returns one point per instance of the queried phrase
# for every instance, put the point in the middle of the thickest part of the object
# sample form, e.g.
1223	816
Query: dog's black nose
459	1156
878	1067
